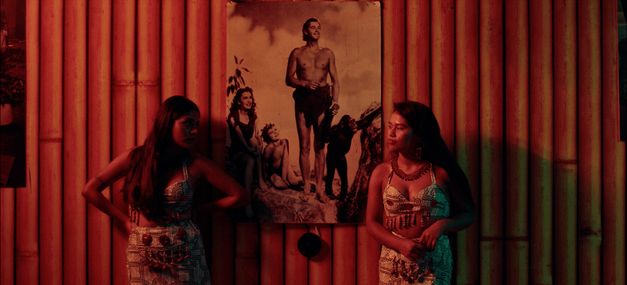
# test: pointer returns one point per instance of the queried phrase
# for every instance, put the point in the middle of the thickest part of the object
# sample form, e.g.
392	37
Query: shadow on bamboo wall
525	93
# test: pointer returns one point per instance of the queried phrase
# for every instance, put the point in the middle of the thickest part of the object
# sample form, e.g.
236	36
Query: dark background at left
12	135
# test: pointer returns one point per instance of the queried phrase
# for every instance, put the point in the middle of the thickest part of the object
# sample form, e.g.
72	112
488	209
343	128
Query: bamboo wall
525	91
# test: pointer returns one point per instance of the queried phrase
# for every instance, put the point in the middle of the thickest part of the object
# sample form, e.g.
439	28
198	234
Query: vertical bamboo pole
442	67
50	139
517	141
27	212
344	254
393	60
197	89
467	128
74	147
565	64
270	248
246	253
393	28
418	37
320	271
123	115
393	87
271	254
491	131
197	64
295	263
217	71
613	153
368	251
222	247
589	152
148	96
393	21
7	235
173	45
99	138
541	141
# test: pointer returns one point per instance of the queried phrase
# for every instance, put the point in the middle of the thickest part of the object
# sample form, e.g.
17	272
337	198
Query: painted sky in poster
264	34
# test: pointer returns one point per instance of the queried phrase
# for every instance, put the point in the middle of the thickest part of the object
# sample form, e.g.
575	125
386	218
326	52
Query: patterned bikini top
178	198
401	212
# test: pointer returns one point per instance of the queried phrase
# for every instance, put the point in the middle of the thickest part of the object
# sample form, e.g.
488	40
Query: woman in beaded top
415	199
164	245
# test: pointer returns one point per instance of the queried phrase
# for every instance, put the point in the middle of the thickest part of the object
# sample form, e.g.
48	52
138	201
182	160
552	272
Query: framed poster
12	94
304	107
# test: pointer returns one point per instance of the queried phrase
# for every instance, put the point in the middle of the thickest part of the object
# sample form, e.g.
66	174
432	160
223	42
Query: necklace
411	176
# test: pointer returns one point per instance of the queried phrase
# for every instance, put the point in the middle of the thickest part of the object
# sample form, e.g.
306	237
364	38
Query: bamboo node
565	161
148	83
43	139
27	253
588	232
124	83
517	238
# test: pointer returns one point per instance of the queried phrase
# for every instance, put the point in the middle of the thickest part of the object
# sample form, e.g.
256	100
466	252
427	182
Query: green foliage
236	81
12	88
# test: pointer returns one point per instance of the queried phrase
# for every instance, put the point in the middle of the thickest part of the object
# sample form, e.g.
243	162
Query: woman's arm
235	194
256	141
374	217
93	189
463	212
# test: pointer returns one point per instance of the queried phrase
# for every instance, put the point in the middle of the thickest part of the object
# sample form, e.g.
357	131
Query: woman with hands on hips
164	245
415	199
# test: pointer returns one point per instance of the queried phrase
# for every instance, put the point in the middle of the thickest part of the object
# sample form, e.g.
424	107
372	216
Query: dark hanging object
309	245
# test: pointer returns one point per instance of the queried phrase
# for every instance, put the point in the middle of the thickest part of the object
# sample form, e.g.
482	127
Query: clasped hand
413	249
312	85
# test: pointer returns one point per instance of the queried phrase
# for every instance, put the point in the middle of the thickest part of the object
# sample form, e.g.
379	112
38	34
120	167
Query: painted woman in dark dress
245	149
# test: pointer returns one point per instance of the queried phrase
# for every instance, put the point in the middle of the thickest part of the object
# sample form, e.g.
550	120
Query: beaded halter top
177	201
178	198
402	212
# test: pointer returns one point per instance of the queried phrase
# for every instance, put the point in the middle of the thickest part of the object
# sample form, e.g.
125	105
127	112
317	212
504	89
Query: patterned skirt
432	268
172	254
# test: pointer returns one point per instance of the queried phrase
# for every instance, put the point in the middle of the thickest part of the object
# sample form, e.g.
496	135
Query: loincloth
312	103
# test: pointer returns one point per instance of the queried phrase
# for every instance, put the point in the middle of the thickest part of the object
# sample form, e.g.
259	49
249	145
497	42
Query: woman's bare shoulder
382	170
441	175
200	165
125	157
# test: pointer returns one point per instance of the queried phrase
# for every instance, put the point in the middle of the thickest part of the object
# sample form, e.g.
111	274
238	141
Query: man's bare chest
311	60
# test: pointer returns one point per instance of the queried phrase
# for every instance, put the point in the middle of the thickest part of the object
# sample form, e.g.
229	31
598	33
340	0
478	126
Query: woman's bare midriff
145	222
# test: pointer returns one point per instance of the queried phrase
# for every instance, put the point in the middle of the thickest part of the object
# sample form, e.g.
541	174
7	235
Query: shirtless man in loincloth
307	71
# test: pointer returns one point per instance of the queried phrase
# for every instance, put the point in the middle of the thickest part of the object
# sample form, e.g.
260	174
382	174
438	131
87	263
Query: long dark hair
422	121
151	162
236	104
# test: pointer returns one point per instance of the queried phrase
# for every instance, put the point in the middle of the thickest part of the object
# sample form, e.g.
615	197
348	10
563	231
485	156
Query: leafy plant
236	81
12	89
